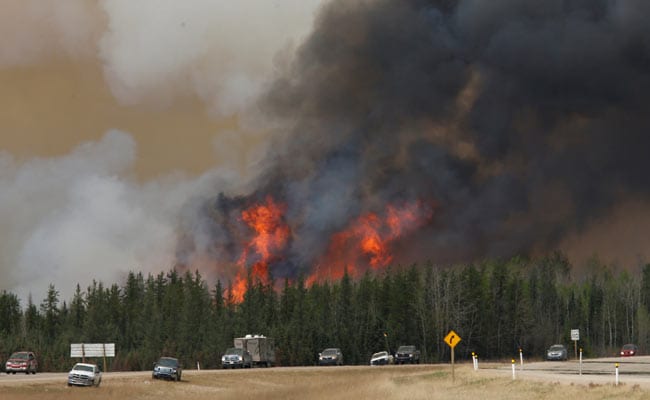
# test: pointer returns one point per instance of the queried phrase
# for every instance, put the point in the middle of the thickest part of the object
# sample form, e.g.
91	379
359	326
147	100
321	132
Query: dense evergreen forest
496	307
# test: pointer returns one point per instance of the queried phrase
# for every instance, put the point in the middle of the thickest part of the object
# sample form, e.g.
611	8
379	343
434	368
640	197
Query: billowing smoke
154	52
76	219
402	130
521	122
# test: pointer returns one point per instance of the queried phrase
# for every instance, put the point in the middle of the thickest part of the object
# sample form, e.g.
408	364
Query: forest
496	306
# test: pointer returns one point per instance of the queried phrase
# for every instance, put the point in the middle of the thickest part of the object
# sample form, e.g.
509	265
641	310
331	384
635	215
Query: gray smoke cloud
77	218
523	121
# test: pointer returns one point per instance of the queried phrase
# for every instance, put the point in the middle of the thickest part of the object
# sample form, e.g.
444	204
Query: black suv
332	356
407	354
167	368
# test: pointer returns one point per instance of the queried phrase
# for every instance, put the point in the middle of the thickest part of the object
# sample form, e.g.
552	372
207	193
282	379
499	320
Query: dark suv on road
332	356
407	354
167	368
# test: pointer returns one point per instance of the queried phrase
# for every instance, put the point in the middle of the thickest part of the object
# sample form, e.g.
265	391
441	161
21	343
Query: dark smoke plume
522	120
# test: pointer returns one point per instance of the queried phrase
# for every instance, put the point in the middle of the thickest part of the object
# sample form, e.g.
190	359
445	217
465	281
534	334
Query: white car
85	375
381	358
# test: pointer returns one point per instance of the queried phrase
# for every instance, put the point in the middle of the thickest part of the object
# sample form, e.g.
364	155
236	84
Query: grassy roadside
358	383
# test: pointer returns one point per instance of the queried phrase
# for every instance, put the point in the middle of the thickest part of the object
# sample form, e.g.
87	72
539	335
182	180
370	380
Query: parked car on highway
331	356
83	374
629	350
21	361
407	354
167	368
557	352
236	358
381	358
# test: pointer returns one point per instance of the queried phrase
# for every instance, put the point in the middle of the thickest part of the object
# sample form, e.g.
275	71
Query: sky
129	131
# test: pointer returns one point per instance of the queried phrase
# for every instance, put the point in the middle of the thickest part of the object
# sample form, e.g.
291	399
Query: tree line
497	307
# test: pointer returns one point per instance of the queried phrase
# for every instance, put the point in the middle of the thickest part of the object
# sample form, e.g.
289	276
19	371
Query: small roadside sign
575	334
452	339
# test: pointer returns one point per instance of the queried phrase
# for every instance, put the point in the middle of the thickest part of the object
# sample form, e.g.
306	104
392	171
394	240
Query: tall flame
367	240
271	235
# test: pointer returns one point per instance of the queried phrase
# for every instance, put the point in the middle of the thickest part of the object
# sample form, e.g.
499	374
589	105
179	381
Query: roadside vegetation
496	307
392	382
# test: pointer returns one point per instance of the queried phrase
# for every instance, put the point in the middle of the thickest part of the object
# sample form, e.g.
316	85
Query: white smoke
222	51
154	51
75	219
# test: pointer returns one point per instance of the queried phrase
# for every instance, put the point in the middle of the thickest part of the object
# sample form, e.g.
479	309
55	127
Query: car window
20	356
168	362
80	367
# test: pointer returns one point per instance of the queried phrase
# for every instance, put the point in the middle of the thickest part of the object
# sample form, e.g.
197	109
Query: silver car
381	358
557	352
235	357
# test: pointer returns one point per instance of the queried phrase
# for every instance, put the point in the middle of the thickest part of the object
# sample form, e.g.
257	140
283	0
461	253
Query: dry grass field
391	382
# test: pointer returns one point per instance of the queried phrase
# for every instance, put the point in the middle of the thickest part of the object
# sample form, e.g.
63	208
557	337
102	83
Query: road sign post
575	336
452	340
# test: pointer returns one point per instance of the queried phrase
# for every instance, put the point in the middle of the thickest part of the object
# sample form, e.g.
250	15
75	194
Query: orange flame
367	241
269	241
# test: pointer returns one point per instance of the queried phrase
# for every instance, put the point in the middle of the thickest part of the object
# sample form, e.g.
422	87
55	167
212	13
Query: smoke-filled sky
134	133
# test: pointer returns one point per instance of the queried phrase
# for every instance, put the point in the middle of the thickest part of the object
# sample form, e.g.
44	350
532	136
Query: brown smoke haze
134	133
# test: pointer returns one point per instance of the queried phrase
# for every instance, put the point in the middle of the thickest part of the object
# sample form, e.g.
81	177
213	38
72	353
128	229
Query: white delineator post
521	359
513	369
581	361
616	374
475	361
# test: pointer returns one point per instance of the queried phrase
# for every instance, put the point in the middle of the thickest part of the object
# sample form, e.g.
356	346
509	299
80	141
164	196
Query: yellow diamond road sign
452	339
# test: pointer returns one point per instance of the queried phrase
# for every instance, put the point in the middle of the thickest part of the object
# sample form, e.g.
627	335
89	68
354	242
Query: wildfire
271	235
365	243
367	240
